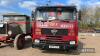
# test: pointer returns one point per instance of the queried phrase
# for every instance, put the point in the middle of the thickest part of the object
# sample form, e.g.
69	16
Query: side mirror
79	15
33	14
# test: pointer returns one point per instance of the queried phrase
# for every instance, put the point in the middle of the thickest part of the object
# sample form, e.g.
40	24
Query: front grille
54	40
54	32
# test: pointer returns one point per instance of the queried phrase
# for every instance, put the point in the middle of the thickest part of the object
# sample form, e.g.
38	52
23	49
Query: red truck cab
55	27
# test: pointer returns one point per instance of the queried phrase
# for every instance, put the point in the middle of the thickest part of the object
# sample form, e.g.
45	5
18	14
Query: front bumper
60	46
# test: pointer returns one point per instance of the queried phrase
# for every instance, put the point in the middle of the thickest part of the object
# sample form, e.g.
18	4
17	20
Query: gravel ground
88	46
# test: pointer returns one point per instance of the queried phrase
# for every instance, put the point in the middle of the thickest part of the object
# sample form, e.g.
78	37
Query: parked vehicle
14	28
55	27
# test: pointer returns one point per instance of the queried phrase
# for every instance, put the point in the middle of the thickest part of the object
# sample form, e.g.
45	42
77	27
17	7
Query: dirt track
88	46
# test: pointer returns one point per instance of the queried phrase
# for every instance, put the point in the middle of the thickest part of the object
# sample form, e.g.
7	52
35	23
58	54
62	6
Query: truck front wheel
19	42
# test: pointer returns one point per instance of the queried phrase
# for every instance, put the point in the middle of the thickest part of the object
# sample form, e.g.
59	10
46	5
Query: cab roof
68	8
13	15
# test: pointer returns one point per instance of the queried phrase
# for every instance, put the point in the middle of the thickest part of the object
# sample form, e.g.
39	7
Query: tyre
19	42
33	46
0	44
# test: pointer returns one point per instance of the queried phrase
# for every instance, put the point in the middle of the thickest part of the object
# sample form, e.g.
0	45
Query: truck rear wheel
19	42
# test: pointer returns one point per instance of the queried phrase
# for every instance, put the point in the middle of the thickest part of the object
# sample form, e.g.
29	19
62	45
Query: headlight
9	32
72	42
37	41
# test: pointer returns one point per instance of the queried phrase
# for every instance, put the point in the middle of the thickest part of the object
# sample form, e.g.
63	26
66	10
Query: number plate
56	47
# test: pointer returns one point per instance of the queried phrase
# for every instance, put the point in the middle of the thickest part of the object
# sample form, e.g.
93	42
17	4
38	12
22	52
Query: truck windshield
52	15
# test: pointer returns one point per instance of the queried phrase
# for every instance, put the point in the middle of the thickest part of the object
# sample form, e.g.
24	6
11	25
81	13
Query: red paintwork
55	24
70	25
3	38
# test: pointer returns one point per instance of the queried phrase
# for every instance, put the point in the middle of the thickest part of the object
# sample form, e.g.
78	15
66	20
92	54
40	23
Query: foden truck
13	30
55	27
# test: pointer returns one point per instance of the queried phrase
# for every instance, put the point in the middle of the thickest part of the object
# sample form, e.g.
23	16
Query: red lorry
55	27
13	30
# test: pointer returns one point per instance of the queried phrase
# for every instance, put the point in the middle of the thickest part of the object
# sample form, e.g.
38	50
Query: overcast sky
26	6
